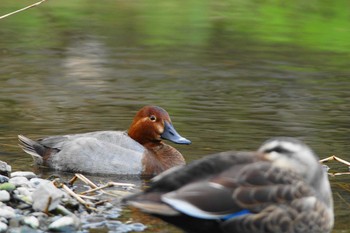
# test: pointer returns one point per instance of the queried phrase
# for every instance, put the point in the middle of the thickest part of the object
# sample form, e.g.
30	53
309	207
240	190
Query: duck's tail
35	149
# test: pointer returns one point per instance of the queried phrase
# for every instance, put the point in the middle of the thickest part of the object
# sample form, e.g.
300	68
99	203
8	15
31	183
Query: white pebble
20	181
31	221
27	175
24	191
66	221
4	195
3	227
46	196
7	212
36	182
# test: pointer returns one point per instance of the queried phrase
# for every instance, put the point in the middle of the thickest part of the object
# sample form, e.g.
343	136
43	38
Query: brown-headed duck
140	150
281	188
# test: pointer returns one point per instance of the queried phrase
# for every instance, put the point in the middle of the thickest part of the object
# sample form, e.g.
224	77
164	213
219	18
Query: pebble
44	195
137	226
4	220
3	227
7	212
24	191
5	169
27	175
36	182
31	221
7	186
3	179
20	181
64	224
4	195
24	198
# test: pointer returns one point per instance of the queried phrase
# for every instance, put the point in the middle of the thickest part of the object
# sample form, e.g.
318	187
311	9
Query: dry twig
22	9
335	158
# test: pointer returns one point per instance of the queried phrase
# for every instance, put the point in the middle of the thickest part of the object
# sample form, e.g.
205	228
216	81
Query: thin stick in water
23	9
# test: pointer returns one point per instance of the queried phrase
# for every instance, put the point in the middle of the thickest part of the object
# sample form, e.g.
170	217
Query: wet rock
27	175
31	221
3	227
7	186
20	181
5	169
3	179
46	197
4	196
7	212
65	224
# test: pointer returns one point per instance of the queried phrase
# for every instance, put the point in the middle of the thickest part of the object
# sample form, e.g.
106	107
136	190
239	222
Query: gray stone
27	175
31	221
65	223
20	181
36	182
5	169
3	179
3	227
4	195
46	197
7	212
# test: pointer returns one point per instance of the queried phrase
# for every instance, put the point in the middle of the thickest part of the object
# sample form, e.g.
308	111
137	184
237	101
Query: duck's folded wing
232	193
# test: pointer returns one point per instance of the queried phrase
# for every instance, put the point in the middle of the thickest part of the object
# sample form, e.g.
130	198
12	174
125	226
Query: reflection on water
229	76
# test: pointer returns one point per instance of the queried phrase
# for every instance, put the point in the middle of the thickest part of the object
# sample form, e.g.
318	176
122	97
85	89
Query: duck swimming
140	150
280	188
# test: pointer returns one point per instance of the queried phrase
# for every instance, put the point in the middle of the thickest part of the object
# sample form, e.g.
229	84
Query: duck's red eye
153	118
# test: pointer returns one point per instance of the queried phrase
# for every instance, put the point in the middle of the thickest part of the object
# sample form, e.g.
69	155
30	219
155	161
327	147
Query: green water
230	73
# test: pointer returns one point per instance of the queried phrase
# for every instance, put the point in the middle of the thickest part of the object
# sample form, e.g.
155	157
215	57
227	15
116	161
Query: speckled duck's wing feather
306	214
177	177
200	170
240	189
250	195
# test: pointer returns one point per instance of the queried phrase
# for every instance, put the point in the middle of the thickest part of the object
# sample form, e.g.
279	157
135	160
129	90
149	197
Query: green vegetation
316	25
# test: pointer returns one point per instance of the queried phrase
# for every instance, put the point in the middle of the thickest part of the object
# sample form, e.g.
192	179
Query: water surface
231	74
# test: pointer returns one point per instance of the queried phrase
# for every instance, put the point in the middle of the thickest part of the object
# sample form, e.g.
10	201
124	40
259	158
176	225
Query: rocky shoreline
32	204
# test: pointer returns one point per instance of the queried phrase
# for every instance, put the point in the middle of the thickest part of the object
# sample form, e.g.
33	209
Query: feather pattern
267	191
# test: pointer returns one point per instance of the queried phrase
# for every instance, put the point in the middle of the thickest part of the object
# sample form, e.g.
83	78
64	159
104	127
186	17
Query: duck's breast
104	152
